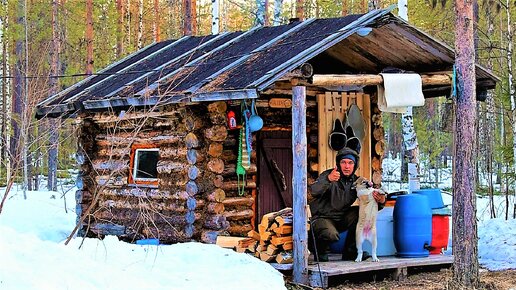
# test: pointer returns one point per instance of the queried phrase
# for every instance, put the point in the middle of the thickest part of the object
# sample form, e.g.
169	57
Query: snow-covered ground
33	254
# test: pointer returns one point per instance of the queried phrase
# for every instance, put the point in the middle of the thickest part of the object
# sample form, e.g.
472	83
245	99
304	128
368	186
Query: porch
319	275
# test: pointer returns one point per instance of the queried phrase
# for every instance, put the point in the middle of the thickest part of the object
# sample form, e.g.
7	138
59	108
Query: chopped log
283	220
216	165
172	153
378	133
277	241
272	250
217	195
267	219
191	156
254	234
266	257
235	215
252	247
314	166
240	230
283	230
233	185
376	164
230	169
287	246
215	149
167	167
215	207
218	181
191	123
312	152
265	236
191	141
284	258
216	222
238	201
228	241
218	107
193	172
379	147
244	243
191	188
216	133
377	119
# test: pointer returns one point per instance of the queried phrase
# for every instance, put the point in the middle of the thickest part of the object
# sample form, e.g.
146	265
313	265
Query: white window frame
135	165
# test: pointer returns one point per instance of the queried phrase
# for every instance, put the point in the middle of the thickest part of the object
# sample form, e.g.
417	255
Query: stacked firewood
273	241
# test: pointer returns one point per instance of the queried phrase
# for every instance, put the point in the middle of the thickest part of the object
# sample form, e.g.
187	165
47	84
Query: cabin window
144	162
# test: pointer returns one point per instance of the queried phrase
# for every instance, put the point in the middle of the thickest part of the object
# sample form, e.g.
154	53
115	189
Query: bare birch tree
511	86
140	25
278	6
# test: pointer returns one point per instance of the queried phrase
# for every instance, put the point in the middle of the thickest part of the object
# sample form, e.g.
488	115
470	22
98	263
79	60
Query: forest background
49	45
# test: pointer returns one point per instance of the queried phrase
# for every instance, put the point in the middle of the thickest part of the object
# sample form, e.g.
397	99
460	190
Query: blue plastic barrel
412	226
435	199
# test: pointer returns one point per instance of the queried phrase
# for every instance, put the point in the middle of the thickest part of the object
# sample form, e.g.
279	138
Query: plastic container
148	242
412	226
434	196
384	234
440	233
338	246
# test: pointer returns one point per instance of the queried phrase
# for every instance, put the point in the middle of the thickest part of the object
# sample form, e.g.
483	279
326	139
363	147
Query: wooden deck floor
336	267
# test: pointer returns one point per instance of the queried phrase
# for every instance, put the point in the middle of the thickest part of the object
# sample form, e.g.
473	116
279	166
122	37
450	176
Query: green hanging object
240	170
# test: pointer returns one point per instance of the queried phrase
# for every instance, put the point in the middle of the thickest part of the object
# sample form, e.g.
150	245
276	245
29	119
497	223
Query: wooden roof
238	65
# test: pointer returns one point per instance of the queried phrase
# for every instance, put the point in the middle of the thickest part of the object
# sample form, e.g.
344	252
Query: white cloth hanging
400	91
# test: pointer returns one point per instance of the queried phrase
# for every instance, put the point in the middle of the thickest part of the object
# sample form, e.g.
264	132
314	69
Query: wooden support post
299	185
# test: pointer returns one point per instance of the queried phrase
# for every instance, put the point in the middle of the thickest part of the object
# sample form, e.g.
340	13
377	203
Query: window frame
135	149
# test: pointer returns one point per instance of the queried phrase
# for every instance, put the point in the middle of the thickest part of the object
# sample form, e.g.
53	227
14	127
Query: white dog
368	210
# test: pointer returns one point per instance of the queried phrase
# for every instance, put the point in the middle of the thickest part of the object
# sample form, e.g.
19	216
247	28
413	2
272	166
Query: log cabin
162	132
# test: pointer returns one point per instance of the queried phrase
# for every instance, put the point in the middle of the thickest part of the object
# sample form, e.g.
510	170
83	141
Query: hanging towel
400	91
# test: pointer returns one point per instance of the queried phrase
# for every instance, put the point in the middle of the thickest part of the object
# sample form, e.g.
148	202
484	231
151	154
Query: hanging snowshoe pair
352	135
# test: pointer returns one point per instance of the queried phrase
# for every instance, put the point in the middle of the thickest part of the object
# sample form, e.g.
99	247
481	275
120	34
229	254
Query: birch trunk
465	249
411	146
278	5
260	13
5	138
215	17
511	85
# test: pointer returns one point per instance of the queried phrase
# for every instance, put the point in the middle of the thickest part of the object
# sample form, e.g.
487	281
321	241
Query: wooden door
274	172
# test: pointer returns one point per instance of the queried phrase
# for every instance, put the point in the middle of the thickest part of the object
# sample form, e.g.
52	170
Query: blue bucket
338	246
412	226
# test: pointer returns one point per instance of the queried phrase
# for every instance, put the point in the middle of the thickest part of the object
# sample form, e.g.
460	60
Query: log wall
197	196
